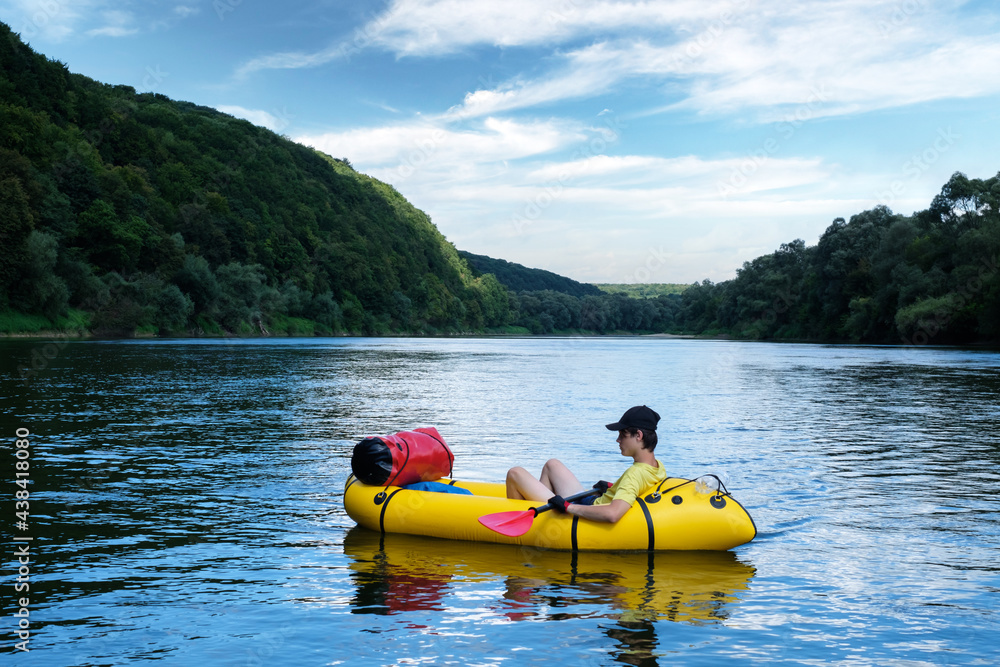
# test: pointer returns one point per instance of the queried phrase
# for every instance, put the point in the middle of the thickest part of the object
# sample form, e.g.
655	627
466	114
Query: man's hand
558	503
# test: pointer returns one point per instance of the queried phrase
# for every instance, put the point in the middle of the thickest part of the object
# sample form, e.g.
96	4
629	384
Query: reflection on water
395	574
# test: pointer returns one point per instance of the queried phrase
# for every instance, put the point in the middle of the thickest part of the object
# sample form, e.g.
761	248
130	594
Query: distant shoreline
92	336
55	335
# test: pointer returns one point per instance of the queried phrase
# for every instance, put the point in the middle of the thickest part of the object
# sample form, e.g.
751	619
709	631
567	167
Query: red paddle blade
511	524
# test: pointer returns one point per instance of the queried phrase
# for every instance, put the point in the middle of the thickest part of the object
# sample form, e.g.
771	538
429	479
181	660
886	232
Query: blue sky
654	141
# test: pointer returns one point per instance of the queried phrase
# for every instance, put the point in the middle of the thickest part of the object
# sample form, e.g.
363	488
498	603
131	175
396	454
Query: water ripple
186	502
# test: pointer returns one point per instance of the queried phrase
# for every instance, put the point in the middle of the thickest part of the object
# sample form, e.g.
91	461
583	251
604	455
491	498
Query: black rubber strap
649	523
385	505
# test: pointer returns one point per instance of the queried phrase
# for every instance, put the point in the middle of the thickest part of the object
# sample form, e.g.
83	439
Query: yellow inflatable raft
673	515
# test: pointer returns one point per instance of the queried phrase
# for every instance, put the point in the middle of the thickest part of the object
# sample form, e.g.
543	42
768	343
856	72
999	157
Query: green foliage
196	279
325	311
932	277
16	222
140	303
522	279
353	313
281	325
74	322
548	311
13	322
172	308
642	290
496	311
242	289
40	290
111	244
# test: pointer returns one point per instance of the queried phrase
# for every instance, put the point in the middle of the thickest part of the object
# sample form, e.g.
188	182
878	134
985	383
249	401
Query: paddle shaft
569	499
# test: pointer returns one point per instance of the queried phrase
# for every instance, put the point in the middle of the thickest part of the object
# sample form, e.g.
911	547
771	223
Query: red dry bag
420	455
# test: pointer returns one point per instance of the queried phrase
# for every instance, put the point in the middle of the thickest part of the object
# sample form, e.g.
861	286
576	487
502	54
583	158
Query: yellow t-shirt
635	480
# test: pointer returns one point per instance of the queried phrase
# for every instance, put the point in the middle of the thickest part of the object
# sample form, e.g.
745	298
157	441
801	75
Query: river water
186	503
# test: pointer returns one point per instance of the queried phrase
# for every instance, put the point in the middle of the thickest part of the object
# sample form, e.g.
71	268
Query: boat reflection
396	573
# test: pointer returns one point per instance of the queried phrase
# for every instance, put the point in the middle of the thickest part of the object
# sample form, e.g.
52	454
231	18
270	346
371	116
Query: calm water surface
186	503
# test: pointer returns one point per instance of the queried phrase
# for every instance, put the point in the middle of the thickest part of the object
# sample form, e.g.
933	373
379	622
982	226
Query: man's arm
609	513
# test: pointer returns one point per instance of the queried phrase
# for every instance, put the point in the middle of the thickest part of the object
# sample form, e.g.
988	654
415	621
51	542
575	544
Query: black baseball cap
638	417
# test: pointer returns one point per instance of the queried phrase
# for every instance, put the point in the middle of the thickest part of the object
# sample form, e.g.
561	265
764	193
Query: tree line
931	277
548	311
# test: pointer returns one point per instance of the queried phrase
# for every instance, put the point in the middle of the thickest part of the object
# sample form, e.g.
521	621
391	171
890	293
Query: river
185	502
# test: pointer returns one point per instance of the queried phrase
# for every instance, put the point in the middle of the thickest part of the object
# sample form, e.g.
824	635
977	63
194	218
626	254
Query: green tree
242	288
173	308
40	290
196	279
121	310
354	313
111	243
493	296
594	313
16	223
325	310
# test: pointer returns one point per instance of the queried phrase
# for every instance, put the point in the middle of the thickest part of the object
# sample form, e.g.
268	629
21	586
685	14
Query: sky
610	142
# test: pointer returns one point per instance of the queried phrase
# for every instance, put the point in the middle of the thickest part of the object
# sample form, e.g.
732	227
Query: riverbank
504	332
48	335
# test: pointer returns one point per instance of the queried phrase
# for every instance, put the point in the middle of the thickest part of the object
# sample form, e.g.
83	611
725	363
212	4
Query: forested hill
929	278
124	211
520	278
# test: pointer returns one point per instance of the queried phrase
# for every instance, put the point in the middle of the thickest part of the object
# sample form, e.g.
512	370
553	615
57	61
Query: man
636	439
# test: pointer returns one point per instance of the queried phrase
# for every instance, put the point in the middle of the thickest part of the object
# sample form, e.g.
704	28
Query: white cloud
43	19
60	20
564	84
116	23
275	123
401	150
434	27
422	28
840	66
599	165
813	67
689	166
112	31
290	60
721	58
